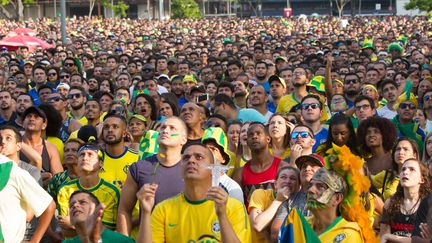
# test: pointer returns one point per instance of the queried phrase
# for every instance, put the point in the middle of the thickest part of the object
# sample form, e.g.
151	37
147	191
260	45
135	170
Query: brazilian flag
5	170
148	144
296	229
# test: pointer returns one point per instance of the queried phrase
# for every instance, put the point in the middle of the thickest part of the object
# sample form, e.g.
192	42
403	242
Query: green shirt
106	236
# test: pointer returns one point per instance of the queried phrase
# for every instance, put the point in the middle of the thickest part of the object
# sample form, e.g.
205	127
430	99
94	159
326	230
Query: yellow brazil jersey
232	162
384	185
261	199
180	220
107	194
115	168
286	103
83	120
341	231
59	145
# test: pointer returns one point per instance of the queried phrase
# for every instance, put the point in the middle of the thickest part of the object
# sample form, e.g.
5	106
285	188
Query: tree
92	4
14	9
340	4
422	5
120	9
185	9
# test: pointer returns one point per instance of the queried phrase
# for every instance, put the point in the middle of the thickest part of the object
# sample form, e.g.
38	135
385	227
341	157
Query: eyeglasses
77	95
349	81
64	76
147	70
197	64
362	107
397	63
295	135
69	64
205	73
427	97
54	99
411	106
298	73
52	74
311	105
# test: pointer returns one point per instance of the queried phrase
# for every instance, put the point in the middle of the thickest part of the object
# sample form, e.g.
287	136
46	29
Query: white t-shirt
233	188
21	191
386	113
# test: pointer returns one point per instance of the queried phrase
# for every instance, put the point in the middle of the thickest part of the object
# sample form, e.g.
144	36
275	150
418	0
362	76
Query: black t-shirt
422	213
400	224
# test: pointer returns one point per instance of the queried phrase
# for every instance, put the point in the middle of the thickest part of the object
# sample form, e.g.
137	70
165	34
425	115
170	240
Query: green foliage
185	9
119	9
25	2
422	5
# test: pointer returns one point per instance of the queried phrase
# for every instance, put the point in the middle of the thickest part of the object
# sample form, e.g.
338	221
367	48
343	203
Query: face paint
174	134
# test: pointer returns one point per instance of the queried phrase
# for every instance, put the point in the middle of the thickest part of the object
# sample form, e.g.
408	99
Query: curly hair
396	200
386	127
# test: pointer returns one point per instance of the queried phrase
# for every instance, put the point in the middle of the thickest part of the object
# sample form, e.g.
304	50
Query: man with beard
389	92
148	71
93	112
258	100
325	193
261	70
162	168
206	74
352	87
77	98
177	86
259	172
240	92
301	142
364	108
194	118
278	89
299	82
23	102
118	157
69	125
7	108
35	122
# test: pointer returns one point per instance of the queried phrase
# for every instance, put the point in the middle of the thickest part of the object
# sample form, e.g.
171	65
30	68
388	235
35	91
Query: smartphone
201	98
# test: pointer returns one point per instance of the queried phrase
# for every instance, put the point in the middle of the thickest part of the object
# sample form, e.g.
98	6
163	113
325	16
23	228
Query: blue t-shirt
271	107
252	115
182	101
320	138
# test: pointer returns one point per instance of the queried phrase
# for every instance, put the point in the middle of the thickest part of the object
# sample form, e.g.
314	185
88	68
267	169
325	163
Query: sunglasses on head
295	135
311	105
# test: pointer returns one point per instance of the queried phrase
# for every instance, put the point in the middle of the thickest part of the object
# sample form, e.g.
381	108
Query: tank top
263	180
46	165
64	130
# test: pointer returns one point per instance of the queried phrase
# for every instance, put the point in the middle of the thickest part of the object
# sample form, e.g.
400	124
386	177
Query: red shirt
263	180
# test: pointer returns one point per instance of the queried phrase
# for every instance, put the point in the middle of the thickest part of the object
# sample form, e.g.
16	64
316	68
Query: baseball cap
189	78
199	89
281	58
312	158
63	85
163	76
35	110
139	117
277	78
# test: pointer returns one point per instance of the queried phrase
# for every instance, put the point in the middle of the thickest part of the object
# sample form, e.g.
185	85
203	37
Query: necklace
411	211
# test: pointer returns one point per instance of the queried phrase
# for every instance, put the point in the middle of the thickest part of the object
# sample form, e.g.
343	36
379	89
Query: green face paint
312	204
174	134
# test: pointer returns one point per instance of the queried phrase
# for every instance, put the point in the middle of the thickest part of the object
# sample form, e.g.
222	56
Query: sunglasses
52	74
69	64
353	81
427	97
54	99
64	76
295	135
407	105
147	70
311	105
71	96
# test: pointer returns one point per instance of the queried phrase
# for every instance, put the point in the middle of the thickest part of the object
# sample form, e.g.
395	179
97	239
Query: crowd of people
218	130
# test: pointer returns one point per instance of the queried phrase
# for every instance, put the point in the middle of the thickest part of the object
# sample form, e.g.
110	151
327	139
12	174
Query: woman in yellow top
264	204
387	181
280	130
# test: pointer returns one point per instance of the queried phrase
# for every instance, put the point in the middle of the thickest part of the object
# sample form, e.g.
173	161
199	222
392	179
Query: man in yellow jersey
90	159
325	193
201	213
77	98
299	82
118	157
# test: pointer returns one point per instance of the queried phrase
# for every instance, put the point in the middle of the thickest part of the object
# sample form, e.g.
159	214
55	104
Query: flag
148	144
296	229
5	170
